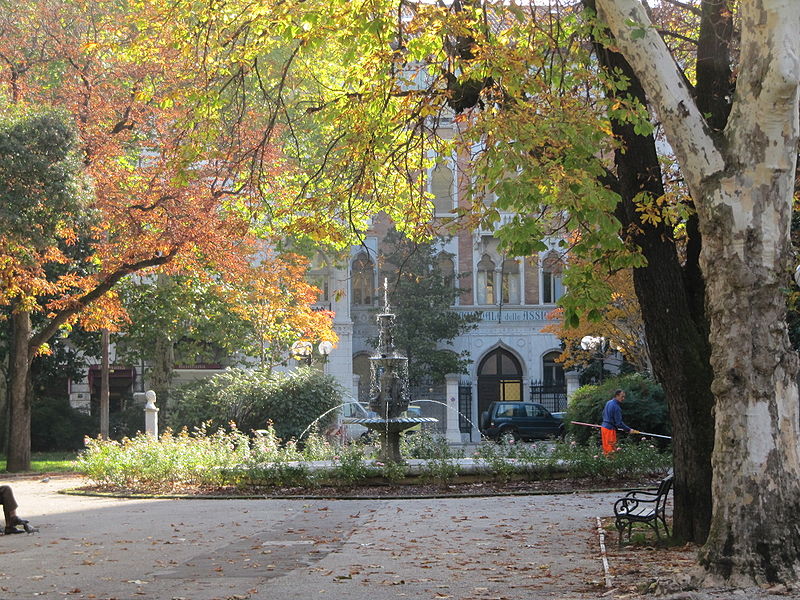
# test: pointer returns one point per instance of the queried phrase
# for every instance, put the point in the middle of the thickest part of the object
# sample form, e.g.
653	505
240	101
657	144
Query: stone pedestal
452	431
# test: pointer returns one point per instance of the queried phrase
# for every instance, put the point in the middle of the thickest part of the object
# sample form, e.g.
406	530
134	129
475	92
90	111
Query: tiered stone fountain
389	390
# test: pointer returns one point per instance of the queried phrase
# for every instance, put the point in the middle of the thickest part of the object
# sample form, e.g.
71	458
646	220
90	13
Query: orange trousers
609	439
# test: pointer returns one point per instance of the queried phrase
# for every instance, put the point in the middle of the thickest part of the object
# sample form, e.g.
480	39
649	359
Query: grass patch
48	462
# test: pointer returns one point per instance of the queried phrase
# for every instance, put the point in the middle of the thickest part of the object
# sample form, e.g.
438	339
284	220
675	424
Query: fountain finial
385	294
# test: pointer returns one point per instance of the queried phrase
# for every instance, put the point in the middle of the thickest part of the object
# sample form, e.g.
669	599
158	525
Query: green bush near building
644	408
252	399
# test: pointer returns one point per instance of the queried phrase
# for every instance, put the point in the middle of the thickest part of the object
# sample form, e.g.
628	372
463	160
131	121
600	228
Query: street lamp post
598	345
325	348
302	350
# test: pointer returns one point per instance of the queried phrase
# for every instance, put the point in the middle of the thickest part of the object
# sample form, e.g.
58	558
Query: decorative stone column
452	431
151	414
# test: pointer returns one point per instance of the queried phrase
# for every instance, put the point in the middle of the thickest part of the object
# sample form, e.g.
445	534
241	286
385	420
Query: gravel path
508	547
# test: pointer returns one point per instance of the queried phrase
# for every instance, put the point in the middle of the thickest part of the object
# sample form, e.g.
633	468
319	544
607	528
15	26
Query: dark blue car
505	421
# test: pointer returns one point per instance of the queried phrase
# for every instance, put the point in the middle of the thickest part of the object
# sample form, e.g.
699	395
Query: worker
612	422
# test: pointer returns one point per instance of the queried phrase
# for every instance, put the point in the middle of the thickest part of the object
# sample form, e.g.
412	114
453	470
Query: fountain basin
393	424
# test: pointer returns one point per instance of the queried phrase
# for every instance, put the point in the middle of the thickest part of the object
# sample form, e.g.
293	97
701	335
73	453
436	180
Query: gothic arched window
447	268
442	188
552	287
510	282
363	280
486	292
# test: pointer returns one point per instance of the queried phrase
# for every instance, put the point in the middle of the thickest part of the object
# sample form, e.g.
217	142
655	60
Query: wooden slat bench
640	506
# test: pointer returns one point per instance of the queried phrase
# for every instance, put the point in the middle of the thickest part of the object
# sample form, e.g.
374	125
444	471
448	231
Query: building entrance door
499	379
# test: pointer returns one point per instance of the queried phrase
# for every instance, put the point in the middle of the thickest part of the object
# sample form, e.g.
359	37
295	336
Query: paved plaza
518	547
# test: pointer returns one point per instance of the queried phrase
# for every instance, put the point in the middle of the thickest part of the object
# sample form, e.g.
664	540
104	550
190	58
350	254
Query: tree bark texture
671	300
19	394
677	336
742	183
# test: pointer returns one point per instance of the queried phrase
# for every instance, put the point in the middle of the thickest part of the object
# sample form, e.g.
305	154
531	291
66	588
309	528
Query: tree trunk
104	385
671	300
755	530
161	368
19	394
742	184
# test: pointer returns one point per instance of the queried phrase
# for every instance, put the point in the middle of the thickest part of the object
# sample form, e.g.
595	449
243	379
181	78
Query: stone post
151	414
452	432
573	383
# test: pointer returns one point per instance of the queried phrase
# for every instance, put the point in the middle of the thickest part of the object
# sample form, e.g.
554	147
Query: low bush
227	457
644	408
426	445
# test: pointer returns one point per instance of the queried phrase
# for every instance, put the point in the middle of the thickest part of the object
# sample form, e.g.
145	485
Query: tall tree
164	164
742	180
670	287
275	302
422	296
542	132
40	177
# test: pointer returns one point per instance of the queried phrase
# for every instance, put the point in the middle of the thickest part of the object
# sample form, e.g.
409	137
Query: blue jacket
612	416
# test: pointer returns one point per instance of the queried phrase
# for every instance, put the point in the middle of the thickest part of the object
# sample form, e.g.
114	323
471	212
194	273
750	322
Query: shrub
644	408
429	446
252	399
55	425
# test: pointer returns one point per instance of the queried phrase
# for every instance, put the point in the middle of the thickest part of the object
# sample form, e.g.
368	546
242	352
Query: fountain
388	390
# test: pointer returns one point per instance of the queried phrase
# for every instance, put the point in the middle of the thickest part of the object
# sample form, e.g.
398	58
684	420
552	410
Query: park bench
640	506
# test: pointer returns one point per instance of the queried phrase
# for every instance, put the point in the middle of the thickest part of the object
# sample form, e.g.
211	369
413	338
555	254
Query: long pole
104	385
658	435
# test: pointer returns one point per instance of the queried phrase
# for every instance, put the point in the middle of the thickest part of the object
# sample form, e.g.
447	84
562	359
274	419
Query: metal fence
552	396
465	407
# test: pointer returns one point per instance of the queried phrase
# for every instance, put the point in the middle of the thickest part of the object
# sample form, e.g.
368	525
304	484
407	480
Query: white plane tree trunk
742	182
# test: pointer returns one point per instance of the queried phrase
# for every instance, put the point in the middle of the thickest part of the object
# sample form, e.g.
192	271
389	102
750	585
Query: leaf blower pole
666	437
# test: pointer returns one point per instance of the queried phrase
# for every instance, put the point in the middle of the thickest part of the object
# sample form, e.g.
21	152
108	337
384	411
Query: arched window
363	280
510	282
552	287
319	276
552	372
447	268
442	188
486	294
361	367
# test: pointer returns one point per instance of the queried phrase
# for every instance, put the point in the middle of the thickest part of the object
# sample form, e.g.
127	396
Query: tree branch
692	9
92	295
665	86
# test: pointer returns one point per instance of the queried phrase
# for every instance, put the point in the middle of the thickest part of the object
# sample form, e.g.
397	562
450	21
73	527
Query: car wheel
508	436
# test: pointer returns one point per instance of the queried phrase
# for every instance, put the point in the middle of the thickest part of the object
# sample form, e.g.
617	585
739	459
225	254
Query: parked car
348	432
516	421
412	411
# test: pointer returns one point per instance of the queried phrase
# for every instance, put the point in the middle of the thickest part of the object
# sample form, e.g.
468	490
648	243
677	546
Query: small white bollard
151	414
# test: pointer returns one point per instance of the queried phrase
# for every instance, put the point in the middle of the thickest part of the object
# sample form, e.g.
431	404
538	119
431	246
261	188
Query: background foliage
251	399
645	406
422	295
